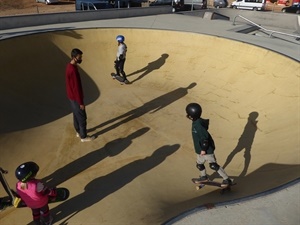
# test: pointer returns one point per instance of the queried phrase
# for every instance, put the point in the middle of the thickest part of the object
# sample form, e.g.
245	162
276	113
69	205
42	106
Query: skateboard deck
62	194
202	184
116	77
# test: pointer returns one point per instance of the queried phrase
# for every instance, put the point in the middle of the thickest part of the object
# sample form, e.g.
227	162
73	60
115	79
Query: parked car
161	2
220	3
196	4
93	4
47	2
292	9
249	4
182	5
106	4
178	5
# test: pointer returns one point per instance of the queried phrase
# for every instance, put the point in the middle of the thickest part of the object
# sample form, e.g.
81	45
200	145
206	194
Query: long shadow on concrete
103	186
155	65
244	143
111	149
149	107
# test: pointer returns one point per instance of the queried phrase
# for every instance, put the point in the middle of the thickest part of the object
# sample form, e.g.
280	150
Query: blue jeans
79	119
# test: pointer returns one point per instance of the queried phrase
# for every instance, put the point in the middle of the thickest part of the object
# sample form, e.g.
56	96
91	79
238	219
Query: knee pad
200	166
214	166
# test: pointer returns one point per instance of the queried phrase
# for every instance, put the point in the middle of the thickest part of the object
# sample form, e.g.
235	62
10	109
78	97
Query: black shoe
201	179
226	182
125	82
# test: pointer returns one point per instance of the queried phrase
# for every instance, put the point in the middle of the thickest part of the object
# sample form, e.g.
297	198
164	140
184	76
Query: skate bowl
138	169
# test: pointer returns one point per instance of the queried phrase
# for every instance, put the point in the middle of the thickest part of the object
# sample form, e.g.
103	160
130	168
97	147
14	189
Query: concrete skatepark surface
272	207
138	169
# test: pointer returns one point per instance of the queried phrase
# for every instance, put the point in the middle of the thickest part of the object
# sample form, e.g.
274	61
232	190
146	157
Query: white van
249	4
47	2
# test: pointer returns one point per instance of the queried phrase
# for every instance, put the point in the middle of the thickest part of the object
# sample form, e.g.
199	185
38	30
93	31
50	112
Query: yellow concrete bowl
139	168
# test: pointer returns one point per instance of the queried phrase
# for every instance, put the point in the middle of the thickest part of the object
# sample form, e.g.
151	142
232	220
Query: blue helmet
120	38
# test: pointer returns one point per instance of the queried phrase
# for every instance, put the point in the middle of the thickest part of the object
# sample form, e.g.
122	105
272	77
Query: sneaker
124	82
113	76
77	134
201	179
50	221
226	182
88	138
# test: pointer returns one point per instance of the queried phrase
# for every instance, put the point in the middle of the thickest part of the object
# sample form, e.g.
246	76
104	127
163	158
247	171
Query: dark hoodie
200	134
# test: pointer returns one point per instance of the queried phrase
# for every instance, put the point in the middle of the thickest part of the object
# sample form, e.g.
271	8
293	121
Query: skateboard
55	195
202	184
118	78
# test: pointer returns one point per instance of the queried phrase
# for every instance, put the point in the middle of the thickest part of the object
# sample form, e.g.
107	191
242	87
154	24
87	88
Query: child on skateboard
33	192
120	59
204	144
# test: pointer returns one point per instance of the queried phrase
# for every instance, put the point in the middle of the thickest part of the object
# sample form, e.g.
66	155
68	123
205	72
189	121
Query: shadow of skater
155	65
111	149
102	187
155	105
245	142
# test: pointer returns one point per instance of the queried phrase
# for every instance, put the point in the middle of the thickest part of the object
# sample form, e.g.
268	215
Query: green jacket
200	134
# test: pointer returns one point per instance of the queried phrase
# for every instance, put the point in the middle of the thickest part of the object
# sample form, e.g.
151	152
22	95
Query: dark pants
79	119
119	66
36	213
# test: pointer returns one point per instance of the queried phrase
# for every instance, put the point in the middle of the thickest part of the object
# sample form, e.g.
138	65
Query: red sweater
73	84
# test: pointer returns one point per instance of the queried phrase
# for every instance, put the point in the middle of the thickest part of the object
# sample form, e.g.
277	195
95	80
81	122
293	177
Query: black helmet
26	171
193	110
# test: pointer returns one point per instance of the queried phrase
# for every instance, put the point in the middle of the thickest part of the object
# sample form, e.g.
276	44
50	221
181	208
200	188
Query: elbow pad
205	145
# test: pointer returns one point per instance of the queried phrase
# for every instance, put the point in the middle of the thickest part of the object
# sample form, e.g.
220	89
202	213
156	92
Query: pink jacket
33	196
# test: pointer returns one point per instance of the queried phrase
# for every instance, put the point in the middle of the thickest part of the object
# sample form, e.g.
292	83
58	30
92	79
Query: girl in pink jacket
33	192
